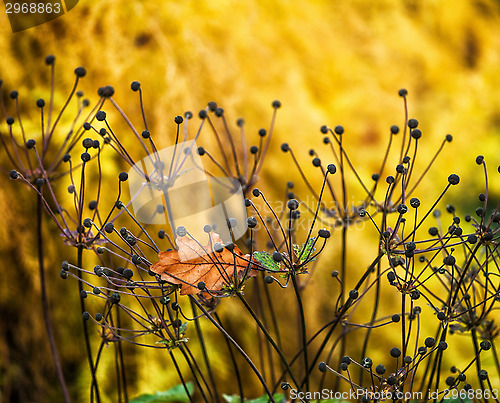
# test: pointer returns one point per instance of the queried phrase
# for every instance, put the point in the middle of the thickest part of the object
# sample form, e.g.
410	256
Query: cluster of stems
439	272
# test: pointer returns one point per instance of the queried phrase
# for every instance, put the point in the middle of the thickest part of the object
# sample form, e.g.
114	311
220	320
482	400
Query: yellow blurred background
327	62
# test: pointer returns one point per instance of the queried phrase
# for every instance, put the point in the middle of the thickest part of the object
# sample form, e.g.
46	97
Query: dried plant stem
340	314
95	386
204	350
233	360
343	269
120	358
230	339
372	321
179	372
303	329
269	338
478	361
45	303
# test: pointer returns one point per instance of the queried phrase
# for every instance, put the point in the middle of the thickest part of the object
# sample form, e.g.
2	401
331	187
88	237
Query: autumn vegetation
370	258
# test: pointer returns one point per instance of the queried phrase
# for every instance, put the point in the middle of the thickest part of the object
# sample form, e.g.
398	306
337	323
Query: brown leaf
193	263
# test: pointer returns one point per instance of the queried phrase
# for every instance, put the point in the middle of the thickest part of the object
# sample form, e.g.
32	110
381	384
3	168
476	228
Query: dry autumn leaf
193	263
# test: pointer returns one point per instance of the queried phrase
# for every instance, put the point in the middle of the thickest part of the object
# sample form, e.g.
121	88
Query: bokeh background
327	62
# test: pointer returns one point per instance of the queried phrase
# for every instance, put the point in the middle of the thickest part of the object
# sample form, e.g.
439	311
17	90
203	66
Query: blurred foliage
175	394
327	62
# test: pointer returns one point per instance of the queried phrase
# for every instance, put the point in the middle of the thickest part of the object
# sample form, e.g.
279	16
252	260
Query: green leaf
171	344
305	251
278	397
266	260
177	394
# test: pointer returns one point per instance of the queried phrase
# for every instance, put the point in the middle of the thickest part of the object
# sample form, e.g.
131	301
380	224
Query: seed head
453	179
277	256
442	345
412	123
293	204
324	233
414	202
80	72
181	231
395	352
416	134
485	345
50	60
367	362
268	279
87	143
107	91
100	116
